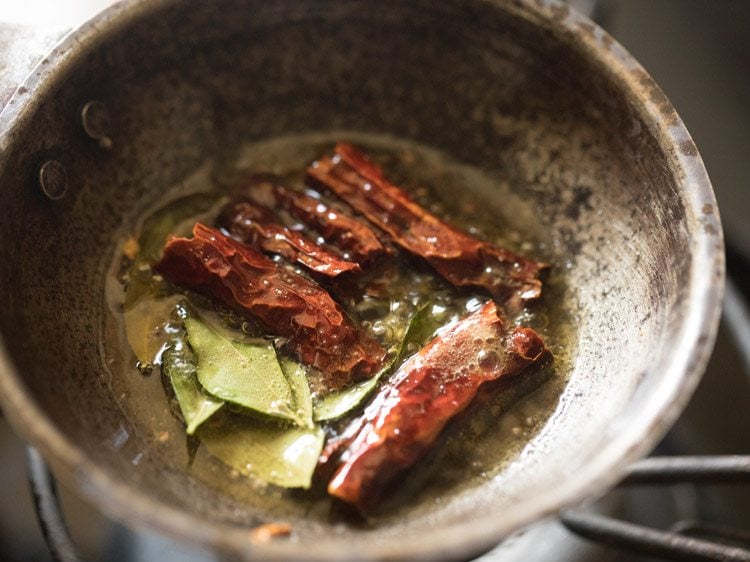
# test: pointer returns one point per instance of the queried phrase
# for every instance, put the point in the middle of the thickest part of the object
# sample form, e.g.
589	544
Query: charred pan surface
256	225
460	258
412	409
288	304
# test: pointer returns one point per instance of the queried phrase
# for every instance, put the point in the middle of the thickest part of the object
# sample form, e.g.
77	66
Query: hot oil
477	445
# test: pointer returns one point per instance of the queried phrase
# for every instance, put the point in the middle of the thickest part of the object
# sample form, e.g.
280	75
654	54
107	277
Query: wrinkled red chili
288	304
460	258
357	240
414	406
256	225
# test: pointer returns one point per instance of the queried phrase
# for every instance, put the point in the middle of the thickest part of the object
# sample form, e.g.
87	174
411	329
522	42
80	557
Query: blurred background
699	53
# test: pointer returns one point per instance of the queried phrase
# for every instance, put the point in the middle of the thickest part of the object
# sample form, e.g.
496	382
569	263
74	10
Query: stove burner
679	543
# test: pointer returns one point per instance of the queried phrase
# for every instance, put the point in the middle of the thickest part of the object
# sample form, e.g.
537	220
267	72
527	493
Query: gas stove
694	492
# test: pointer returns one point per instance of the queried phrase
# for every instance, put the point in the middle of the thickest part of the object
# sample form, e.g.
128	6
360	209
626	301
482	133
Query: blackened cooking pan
586	155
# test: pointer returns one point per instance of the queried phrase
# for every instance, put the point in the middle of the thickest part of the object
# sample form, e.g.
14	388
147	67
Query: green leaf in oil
297	377
422	326
245	374
224	322
177	217
281	455
178	364
140	285
144	326
336	404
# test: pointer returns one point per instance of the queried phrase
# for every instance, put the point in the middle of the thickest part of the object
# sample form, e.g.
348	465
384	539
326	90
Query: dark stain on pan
710	228
688	148
581	197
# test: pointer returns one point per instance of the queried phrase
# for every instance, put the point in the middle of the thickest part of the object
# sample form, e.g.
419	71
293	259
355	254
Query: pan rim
696	335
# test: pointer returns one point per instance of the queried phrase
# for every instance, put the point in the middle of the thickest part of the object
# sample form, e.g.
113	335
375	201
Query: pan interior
564	157
485	439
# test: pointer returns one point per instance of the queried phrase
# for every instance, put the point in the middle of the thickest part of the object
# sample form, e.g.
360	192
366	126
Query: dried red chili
431	388
288	304
256	225
348	234
460	258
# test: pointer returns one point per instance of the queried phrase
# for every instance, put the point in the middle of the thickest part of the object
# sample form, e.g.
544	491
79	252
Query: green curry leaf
144	309
336	404
245	374
282	455
177	217
179	366
297	378
421	327
141	285
144	326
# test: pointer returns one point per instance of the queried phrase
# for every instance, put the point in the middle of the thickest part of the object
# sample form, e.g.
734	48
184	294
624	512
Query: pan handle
21	49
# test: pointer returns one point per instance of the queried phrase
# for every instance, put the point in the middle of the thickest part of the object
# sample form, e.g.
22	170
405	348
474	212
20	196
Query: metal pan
587	154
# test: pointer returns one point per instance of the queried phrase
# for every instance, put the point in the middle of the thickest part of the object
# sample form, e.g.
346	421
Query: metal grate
48	510
686	540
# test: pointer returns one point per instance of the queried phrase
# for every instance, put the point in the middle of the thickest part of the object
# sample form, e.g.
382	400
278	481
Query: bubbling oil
477	445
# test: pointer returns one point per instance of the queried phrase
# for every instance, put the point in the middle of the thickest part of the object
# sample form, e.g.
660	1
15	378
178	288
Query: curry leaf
282	455
297	378
144	326
177	217
224	322
179	366
336	404
421	327
140	285
244	374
